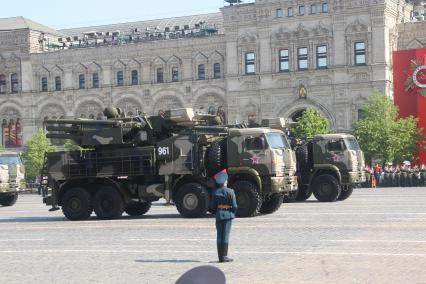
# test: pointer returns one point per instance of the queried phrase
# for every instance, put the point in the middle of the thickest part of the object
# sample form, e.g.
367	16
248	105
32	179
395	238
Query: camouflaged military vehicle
330	166
131	162
12	178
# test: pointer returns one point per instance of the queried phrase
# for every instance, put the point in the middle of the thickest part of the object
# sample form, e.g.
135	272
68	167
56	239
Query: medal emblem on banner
416	81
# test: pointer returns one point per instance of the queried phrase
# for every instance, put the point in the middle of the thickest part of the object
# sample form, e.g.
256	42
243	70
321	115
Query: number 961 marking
163	151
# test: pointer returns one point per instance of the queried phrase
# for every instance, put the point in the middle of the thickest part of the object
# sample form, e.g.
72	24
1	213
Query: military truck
128	163
12	178
330	166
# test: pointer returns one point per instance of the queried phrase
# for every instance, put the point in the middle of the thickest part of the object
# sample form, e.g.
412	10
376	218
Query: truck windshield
277	141
352	144
9	160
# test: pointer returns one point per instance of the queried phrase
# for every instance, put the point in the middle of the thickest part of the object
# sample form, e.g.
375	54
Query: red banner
409	77
12	133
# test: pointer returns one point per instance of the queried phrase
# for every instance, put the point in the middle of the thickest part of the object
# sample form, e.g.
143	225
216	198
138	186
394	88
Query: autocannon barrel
84	122
63	136
63	128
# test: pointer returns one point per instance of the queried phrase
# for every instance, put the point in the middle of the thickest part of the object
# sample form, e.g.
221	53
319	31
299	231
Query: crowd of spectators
404	175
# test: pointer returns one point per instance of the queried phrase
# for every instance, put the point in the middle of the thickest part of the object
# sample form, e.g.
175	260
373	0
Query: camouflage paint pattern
277	165
347	164
12	176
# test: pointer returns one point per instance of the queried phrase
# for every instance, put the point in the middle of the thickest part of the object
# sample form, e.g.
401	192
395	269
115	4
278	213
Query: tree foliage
311	123
383	136
33	154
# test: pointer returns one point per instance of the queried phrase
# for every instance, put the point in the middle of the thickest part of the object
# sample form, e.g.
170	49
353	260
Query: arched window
201	72
135	79
120	78
160	75
44	84
14	83
216	71
175	74
58	83
2	84
81	81
95	80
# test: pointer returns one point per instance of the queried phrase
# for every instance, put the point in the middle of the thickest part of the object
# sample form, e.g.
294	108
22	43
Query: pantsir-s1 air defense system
129	162
329	166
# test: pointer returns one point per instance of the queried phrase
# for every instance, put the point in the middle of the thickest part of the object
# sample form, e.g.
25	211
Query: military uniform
225	205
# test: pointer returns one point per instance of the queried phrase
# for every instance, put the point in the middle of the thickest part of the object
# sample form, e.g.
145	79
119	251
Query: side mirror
263	142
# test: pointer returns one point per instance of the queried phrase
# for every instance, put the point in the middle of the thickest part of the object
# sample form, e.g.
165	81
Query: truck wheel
137	208
345	193
303	193
216	157
248	198
272	205
326	188
192	200
290	197
108	203
8	200
76	204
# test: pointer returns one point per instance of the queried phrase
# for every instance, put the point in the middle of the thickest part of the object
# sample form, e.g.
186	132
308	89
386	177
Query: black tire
192	200
216	157
248	197
272	204
137	208
326	188
290	197
345	194
108	203
8	200
77	204
302	157
304	192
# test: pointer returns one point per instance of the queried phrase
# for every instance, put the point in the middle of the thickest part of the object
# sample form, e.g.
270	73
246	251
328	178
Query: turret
127	131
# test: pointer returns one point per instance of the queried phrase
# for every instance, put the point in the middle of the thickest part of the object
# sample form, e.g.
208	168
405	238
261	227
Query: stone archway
52	111
129	106
295	110
297	115
166	103
89	109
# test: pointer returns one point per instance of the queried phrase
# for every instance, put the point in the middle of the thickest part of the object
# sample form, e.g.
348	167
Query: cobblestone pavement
376	236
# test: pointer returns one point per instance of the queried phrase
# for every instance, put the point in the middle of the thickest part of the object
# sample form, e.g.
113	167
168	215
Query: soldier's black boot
225	254
220	252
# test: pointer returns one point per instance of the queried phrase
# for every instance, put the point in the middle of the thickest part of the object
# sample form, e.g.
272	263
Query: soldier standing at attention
225	205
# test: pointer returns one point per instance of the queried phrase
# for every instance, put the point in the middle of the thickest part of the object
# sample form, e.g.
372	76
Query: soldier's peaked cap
221	177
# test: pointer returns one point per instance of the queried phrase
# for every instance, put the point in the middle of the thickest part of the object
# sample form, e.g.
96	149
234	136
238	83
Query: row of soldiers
395	176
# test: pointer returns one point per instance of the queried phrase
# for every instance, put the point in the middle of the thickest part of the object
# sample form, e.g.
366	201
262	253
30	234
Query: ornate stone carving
88	110
247	39
9	113
301	31
52	111
357	27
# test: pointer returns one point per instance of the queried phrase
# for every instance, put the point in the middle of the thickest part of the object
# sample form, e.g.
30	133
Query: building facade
263	59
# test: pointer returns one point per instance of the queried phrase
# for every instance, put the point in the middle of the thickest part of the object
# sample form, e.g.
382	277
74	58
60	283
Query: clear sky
61	14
